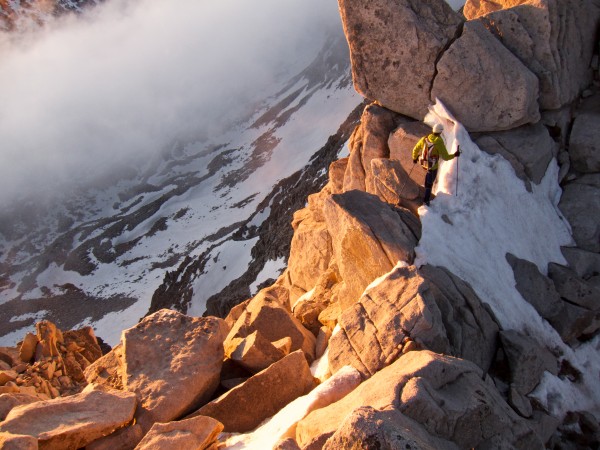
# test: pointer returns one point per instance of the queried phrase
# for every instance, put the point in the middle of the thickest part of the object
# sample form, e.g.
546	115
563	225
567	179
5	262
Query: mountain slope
108	248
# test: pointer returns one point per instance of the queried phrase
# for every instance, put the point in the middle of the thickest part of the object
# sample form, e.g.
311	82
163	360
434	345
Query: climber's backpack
428	160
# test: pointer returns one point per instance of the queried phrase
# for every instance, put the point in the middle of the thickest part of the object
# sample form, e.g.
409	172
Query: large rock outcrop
475	74
394	47
447	396
369	238
430	308
551	37
172	362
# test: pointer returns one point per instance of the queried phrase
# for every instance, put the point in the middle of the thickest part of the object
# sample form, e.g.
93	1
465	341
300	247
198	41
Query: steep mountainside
189	223
470	322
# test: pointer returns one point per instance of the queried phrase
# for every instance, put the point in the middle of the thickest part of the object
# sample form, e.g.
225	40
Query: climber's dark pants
429	179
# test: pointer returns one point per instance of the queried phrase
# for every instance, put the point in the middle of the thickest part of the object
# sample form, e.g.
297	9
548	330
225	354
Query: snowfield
492	215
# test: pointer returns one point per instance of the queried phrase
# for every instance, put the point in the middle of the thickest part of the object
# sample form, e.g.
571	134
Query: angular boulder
310	251
584	143
428	308
529	149
369	238
255	352
197	433
584	263
72	422
473	77
369	141
448	397
245	406
551	37
274	322
570	321
27	348
172	362
394	47
573	288
580	203
527	360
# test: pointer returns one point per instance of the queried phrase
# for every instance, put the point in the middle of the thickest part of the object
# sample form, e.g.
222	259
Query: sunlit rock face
542	35
394	47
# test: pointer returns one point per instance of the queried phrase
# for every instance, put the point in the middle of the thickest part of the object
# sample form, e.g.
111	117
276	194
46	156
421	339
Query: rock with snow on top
446	395
369	238
552	38
428	308
570	321
369	428
584	143
72	422
124	438
9	441
254	352
473	76
394	48
245	406
197	433
274	322
172	362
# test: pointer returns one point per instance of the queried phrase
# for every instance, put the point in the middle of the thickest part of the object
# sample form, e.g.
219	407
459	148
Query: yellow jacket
438	149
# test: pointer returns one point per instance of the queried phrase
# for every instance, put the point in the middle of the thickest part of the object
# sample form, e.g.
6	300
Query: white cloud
129	78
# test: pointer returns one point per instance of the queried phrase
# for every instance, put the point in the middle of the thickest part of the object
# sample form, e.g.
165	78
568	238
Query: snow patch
283	424
271	270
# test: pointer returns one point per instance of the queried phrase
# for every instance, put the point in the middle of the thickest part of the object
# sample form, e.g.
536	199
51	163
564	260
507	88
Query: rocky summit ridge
357	344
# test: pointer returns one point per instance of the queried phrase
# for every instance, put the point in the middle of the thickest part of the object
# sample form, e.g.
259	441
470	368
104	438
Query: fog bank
128	79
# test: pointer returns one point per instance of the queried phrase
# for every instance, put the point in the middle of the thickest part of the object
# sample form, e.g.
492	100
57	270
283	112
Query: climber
428	151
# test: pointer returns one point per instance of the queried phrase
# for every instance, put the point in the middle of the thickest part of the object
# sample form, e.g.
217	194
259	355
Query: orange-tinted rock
245	406
172	362
72	422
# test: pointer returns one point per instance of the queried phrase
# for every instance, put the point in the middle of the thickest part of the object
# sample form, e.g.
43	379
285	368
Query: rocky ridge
433	367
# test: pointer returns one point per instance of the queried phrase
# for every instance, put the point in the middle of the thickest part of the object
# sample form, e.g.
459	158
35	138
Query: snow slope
492	215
